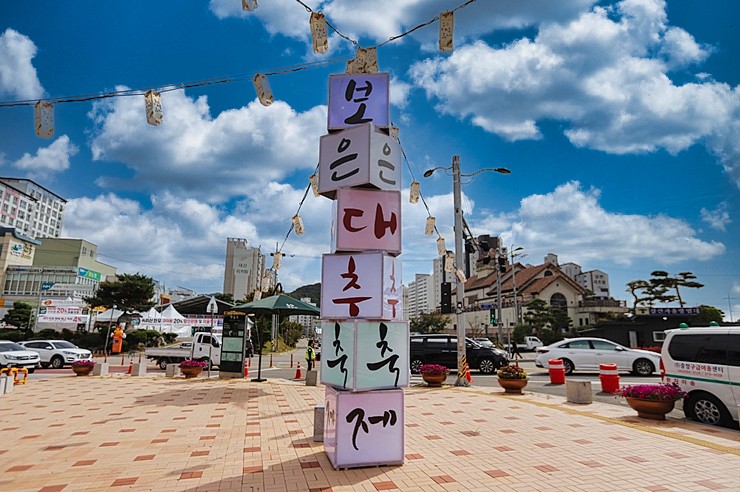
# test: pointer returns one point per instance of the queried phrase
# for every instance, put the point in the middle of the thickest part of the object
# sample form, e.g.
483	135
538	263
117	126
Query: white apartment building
420	295
310	323
244	268
596	281
30	208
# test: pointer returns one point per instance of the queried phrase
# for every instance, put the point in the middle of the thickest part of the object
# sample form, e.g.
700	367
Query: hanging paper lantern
250	5
441	249
449	262
154	113
314	184
44	119
446	29
460	276
257	295
262	86
318	32
429	229
371	60
394	133
266	281
414	192
298	224
277	260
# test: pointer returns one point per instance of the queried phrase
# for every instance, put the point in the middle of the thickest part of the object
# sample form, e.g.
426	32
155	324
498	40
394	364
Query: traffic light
502	264
446	298
493	316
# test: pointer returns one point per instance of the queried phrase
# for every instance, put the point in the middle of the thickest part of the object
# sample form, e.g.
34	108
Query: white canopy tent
168	321
111	315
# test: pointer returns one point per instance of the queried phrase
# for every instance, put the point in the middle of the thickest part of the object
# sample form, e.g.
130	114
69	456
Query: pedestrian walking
515	350
250	349
310	355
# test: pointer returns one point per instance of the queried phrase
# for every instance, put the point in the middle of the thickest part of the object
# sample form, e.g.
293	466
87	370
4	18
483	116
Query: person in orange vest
118	335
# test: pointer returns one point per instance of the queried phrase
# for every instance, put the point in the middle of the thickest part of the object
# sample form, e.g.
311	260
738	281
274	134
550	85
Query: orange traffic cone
298	374
130	367
467	373
246	368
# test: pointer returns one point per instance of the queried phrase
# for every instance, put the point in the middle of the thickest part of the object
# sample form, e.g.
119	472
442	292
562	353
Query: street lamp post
212	308
460	289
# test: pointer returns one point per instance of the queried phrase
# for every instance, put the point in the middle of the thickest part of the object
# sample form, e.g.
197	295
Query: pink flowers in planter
656	392
83	363
433	370
192	363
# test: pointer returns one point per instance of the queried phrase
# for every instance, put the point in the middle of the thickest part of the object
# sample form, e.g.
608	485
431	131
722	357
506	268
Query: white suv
15	355
57	353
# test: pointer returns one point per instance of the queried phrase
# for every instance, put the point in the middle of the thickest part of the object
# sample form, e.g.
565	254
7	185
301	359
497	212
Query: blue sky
618	120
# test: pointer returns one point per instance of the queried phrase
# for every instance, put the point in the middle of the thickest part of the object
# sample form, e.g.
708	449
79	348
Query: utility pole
499	321
459	252
460	289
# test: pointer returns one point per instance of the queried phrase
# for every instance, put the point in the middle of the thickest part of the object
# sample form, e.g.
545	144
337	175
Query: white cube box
363	429
365	355
361	285
359	98
366	220
359	157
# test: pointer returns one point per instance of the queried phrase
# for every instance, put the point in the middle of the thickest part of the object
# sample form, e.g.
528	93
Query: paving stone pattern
158	434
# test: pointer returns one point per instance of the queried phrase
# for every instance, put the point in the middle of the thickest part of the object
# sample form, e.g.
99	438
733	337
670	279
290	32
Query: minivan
705	363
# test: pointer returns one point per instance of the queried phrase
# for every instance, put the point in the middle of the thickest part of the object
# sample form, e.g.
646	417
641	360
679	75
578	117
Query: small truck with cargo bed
199	348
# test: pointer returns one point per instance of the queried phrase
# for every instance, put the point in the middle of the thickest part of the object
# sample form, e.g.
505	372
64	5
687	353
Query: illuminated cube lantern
361	285
361	157
367	220
359	98
365	355
363	429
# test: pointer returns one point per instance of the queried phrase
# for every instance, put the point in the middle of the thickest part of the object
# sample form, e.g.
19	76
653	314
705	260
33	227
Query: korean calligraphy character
359	157
359	98
363	428
361	285
367	220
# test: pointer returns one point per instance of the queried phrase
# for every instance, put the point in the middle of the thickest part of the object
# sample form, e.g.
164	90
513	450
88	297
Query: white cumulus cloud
239	149
595	73
51	159
18	77
717	218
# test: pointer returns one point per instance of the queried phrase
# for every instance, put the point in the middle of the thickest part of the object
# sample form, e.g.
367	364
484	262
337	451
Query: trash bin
557	371
609	377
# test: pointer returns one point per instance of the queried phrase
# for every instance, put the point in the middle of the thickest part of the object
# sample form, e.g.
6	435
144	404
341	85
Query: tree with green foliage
129	293
430	323
656	289
707	315
19	315
224	297
545	321
633	288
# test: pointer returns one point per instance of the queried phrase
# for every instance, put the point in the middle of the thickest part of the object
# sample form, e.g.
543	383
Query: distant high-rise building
244	268
420	295
29	207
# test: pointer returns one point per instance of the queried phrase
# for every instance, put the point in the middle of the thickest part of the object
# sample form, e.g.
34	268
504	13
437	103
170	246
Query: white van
705	362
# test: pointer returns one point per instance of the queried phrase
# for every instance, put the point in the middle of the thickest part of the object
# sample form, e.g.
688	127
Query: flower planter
512	386
191	372
434	380
82	370
651	409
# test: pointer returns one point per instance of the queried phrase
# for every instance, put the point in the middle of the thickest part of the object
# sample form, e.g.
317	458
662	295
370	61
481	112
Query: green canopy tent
279	304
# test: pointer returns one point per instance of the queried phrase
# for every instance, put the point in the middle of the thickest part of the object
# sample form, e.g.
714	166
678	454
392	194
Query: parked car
442	349
586	354
705	363
57	353
15	355
484	342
